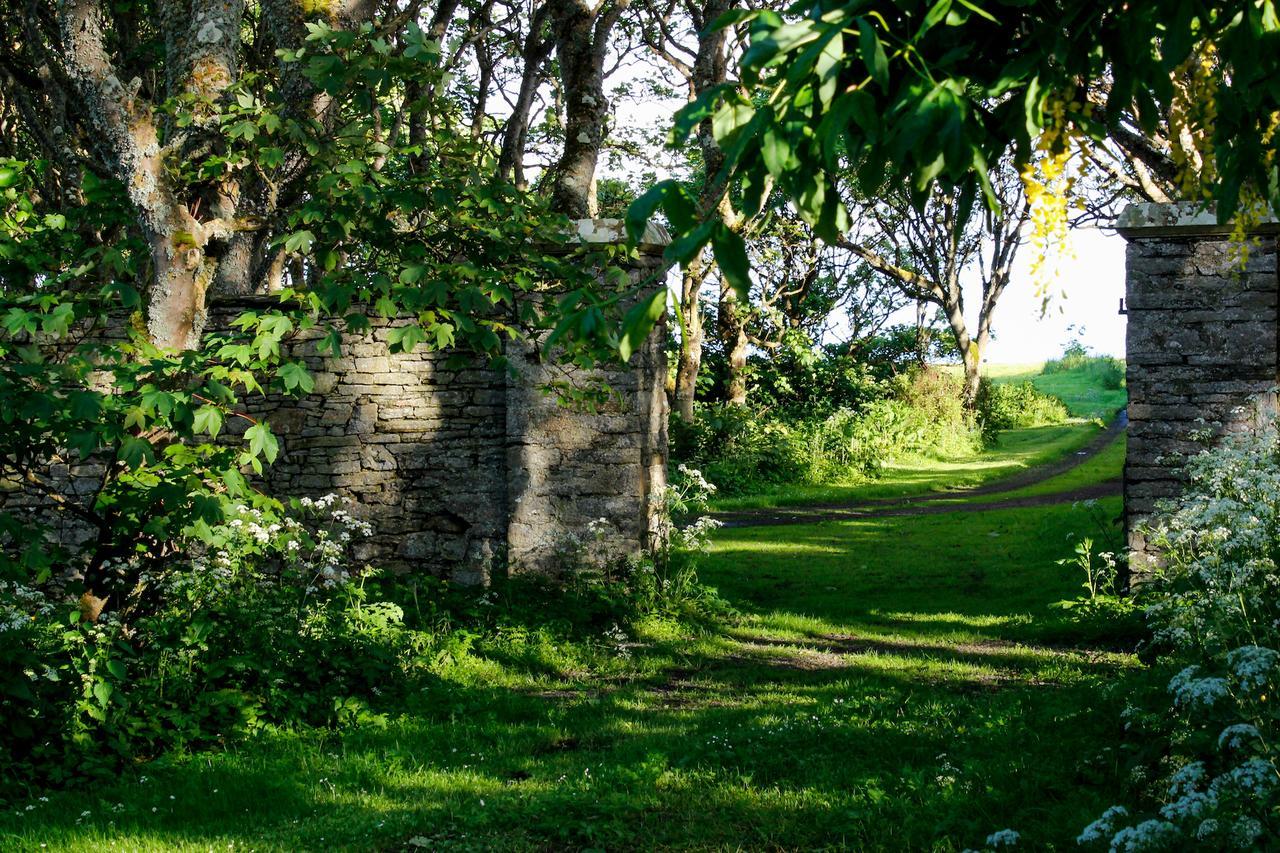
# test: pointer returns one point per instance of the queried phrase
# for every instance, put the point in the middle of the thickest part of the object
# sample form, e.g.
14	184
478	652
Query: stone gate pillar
566	467
1201	347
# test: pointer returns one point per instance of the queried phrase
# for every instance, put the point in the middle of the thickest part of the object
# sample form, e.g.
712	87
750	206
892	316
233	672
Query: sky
1084	304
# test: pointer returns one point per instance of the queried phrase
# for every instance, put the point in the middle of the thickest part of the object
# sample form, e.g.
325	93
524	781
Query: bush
1074	356
800	382
739	450
742	451
265	621
1215	622
1010	406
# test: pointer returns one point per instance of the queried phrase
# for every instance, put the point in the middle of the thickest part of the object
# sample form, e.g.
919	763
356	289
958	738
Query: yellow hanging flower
1048	181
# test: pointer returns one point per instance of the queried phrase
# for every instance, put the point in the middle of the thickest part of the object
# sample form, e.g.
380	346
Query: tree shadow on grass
738	751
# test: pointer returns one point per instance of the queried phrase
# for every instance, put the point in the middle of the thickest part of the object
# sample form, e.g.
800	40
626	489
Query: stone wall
1202	347
465	470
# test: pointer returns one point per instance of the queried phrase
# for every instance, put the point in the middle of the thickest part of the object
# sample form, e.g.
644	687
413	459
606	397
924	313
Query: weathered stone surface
1202	348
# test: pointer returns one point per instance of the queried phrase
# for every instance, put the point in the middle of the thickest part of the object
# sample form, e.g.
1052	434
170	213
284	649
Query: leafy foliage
1106	370
269	621
123	447
1007	406
919	413
931	92
1213	620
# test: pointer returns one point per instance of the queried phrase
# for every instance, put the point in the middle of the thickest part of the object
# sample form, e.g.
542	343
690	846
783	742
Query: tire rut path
933	503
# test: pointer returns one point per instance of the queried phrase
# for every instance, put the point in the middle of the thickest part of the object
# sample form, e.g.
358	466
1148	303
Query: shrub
1108	371
1074	356
1009	406
741	451
804	383
1215	622
266	620
263	621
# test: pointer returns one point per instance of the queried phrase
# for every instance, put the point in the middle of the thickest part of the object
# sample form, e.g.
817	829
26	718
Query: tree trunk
733	337
534	53
582	40
691	339
972	376
970	352
176	299
922	342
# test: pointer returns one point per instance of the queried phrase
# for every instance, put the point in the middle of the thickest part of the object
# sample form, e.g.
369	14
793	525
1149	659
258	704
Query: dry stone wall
461	471
1201	346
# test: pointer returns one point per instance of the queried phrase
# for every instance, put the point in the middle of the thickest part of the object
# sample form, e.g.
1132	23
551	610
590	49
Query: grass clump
1107	371
1003	406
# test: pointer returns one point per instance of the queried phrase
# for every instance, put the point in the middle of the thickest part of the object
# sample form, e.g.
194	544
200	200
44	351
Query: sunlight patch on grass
1015	451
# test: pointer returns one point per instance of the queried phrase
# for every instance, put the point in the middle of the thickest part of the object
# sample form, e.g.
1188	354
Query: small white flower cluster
684	497
1190	691
1253	666
1104	827
315	548
20	605
1003	838
1151	834
694	480
696	536
1218	609
618	640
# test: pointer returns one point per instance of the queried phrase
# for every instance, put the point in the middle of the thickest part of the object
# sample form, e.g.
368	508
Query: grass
1015	451
895	683
885	683
1080	391
1083	395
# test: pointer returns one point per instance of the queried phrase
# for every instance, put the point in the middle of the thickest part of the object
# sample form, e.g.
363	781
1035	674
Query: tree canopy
932	93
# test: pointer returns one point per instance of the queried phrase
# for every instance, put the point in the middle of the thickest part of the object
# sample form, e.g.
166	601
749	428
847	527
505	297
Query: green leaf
262	442
299	241
674	201
135	451
731	256
873	53
639	322
208	419
977	10
295	376
405	338
85	405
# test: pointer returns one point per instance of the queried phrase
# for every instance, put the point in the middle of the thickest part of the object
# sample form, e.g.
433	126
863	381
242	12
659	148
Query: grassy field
1083	396
1015	451
894	683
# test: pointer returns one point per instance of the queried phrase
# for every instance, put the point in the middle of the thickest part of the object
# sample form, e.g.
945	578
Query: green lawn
1015	451
896	683
1083	396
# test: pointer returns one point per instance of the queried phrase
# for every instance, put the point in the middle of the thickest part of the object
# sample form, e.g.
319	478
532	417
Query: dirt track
934	503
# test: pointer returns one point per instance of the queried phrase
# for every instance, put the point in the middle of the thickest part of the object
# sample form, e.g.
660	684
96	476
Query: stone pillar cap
1179	219
608	230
